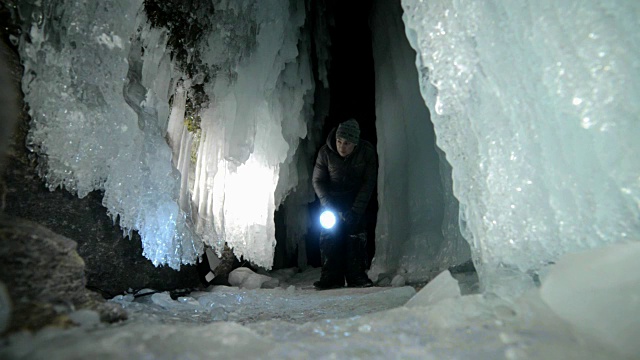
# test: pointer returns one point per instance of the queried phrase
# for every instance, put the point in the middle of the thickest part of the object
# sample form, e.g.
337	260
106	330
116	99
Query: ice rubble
300	323
533	104
99	87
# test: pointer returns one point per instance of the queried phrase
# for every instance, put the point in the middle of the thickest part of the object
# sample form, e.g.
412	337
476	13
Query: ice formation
533	104
413	234
99	107
100	86
251	131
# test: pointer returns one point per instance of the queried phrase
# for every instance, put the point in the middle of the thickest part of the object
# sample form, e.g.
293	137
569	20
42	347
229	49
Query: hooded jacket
345	183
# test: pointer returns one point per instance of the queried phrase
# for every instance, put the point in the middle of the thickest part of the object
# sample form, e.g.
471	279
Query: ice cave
506	134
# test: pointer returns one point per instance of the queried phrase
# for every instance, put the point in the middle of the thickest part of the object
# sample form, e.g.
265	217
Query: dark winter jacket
345	183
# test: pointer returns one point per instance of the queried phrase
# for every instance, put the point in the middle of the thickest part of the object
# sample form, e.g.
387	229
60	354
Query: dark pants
344	254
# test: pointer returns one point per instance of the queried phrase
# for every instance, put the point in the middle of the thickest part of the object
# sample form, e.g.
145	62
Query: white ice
99	90
534	105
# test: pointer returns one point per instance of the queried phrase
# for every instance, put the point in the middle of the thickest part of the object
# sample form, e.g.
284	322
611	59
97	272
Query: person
344	178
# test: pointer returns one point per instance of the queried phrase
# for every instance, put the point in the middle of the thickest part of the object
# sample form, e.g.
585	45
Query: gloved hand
351	218
328	205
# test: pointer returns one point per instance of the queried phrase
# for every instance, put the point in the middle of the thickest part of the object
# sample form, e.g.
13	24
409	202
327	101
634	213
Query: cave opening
350	94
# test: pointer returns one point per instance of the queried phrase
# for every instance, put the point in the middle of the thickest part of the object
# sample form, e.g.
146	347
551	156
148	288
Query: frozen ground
297	322
295	302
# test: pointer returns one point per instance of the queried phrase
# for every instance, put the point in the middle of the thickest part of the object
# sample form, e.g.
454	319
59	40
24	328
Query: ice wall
98	80
99	107
247	156
534	106
409	233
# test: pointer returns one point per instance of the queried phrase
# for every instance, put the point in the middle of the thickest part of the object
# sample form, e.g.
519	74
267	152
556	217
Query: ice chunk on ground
398	280
245	278
454	312
598	292
442	287
139	341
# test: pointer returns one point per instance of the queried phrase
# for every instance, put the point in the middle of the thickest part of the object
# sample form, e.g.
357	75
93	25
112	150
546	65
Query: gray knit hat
349	130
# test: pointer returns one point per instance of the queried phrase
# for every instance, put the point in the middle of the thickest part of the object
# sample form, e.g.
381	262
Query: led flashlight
327	219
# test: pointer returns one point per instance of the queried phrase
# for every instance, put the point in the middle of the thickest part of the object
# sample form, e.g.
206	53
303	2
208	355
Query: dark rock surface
113	263
44	276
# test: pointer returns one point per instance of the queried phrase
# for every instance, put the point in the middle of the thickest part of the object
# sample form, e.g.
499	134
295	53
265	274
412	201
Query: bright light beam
327	219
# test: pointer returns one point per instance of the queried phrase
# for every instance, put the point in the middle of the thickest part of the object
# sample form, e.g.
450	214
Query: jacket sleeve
321	179
368	185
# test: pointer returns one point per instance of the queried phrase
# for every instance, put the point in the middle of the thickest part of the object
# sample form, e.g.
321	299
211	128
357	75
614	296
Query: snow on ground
295	302
295	321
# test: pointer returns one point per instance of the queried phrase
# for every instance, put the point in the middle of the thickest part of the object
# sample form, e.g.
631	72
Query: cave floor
294	301
297	322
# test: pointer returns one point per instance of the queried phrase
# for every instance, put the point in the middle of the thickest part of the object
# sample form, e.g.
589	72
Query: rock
245	278
238	276
41	269
385	281
44	276
85	318
110	313
272	283
398	281
225	264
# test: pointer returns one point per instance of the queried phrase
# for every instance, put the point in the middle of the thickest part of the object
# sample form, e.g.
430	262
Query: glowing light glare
327	219
249	192
242	206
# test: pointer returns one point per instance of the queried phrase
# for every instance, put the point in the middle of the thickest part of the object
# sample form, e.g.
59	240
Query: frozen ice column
533	104
99	106
252	128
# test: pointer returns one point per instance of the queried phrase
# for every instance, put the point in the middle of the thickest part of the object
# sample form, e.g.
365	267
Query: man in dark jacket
344	178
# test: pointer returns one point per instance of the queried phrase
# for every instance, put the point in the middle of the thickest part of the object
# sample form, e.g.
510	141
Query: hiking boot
325	284
360	282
